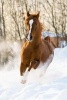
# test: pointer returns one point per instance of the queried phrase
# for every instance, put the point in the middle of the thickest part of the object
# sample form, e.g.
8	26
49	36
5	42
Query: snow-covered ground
46	33
40	85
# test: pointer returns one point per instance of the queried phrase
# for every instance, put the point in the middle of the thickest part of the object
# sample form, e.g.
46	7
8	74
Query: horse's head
32	26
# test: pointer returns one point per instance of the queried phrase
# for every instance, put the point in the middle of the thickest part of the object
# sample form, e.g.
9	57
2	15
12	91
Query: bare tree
63	7
55	14
3	20
15	20
0	25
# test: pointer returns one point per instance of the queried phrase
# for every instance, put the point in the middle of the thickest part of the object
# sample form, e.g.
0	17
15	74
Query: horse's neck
37	40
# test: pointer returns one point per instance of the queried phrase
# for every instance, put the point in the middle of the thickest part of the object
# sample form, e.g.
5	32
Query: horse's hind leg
22	68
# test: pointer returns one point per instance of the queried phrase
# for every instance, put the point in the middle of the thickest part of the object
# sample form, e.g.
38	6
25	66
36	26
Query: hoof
23	81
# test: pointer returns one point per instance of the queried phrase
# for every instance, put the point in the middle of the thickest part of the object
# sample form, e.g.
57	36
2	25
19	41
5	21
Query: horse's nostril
31	37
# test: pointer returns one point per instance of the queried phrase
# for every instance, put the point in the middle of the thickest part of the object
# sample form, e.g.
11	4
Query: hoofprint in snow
51	85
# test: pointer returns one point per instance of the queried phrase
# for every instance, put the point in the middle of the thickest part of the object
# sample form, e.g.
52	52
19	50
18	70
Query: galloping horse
35	49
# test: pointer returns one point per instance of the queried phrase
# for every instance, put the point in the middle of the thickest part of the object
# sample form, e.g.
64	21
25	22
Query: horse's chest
31	53
35	53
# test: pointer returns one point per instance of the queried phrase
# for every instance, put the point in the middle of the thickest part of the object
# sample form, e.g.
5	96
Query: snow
63	43
40	85
46	33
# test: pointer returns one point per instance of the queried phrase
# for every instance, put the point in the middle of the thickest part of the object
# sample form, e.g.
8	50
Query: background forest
53	15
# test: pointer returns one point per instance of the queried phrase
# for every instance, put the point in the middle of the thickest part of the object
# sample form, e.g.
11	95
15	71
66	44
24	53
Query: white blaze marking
31	23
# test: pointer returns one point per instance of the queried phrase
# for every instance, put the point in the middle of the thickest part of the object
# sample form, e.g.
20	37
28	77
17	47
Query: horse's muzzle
29	37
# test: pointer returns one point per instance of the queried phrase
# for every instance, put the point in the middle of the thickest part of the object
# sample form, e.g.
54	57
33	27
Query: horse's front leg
22	68
23	72
34	64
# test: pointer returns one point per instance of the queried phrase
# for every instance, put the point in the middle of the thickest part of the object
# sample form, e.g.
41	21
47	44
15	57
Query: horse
35	50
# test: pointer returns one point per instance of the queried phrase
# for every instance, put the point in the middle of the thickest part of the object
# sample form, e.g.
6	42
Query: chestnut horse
35	49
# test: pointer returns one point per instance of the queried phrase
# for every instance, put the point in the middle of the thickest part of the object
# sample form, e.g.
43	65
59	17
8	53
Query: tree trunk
3	20
0	26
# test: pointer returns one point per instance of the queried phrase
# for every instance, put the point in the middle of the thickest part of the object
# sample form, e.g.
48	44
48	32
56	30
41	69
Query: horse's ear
38	15
28	14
